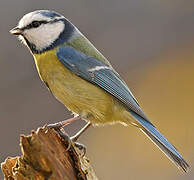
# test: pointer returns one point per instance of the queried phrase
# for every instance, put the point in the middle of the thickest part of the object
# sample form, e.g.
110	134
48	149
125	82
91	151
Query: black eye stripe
35	24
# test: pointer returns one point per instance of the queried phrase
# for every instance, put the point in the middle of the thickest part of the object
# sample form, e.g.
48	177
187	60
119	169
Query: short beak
16	31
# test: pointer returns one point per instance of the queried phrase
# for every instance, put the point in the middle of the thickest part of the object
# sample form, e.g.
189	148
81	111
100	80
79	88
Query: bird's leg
61	124
77	135
80	132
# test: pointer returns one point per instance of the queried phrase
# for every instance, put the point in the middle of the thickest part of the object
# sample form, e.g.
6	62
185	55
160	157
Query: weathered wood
45	157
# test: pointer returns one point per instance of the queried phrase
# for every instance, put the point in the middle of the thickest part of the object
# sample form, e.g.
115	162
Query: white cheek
44	35
21	38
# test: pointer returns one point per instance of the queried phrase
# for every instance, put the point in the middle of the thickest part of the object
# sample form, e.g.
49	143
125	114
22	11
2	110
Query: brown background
149	42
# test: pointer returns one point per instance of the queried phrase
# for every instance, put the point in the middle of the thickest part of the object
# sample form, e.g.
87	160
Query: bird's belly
82	97
78	95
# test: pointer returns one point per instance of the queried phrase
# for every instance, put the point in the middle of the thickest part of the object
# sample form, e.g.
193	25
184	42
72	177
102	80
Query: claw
81	147
66	138
56	126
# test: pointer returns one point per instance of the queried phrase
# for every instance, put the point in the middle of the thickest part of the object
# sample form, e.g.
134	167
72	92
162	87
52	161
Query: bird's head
43	30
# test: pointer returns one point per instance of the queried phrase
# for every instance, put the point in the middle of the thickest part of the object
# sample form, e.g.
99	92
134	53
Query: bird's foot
81	147
68	140
64	123
58	127
65	137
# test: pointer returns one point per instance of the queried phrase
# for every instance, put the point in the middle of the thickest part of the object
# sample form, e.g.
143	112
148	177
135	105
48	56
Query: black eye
36	24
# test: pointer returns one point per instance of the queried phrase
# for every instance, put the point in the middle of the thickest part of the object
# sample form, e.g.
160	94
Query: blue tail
168	149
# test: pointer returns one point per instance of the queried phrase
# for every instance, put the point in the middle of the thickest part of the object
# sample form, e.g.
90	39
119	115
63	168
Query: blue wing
98	73
103	76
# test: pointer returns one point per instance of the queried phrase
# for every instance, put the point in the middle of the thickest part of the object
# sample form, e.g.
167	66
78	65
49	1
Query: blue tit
81	78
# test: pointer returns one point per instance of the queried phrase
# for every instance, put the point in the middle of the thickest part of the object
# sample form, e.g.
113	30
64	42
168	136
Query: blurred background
149	42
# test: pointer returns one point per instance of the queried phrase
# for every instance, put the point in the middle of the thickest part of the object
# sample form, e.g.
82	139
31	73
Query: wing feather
104	76
99	74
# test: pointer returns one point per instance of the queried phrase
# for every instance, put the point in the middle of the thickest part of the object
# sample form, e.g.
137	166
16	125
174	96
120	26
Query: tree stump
45	157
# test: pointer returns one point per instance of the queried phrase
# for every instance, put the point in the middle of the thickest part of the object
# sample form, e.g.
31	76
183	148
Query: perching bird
81	78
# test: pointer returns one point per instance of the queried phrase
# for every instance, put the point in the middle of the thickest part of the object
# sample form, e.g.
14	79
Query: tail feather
162	143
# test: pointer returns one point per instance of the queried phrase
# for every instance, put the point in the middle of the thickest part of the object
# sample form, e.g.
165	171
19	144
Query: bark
45	156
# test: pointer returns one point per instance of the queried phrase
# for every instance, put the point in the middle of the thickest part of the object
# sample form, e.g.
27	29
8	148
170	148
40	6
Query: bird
82	79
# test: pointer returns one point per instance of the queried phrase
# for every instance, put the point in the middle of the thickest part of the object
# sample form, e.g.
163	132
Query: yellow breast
78	95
